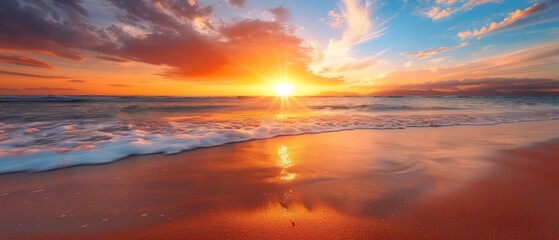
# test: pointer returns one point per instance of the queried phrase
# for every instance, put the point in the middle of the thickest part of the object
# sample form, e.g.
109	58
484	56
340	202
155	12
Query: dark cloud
240	55
77	81
3	89
49	89
46	8
72	6
42	89
24	61
119	85
482	86
112	59
187	52
29	75
238	52
185	9
132	12
280	13
171	33
32	29
502	84
237	3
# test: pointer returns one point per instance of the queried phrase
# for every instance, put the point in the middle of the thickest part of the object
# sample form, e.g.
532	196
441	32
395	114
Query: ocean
42	133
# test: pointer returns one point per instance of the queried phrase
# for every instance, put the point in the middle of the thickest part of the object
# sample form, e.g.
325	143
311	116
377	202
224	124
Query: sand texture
463	182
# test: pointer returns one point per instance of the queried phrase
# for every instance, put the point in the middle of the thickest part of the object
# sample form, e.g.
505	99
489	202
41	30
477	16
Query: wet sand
462	182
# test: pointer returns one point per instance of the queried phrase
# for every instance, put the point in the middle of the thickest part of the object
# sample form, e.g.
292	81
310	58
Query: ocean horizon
41	133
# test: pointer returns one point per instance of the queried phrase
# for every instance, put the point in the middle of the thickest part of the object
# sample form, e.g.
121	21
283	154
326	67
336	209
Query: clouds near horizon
20	74
213	46
24	61
540	59
36	89
473	87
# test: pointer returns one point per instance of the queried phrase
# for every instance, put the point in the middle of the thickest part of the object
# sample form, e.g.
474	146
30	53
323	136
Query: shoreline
359	183
272	137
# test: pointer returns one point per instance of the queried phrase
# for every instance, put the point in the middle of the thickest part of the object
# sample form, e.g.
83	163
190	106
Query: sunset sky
245	47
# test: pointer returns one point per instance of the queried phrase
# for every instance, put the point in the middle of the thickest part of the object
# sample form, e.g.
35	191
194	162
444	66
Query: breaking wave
39	135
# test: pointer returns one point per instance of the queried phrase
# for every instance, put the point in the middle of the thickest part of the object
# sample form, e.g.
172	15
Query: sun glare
284	89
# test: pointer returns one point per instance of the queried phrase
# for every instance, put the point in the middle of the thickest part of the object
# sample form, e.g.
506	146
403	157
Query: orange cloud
515	64
77	81
512	18
176	35
437	13
42	30
24	61
29	75
445	8
475	87
433	51
119	85
10	91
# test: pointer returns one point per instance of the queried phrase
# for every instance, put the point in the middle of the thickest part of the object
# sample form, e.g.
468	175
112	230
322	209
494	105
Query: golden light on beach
281	119
284	161
284	89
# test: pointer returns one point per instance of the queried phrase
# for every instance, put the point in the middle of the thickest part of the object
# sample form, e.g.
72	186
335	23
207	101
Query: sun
284	89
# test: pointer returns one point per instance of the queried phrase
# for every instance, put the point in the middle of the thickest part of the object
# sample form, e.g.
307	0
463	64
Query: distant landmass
429	92
338	94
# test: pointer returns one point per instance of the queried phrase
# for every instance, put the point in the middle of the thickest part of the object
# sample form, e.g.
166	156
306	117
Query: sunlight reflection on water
284	161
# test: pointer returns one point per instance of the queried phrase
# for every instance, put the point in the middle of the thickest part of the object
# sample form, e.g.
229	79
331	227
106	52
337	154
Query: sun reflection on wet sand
284	161
314	182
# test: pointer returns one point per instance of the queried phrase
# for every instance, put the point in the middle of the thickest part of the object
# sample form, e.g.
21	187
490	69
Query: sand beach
460	182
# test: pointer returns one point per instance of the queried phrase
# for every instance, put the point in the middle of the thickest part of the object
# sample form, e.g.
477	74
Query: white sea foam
51	143
43	146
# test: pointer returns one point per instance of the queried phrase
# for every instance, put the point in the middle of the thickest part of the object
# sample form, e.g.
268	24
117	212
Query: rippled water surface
41	133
